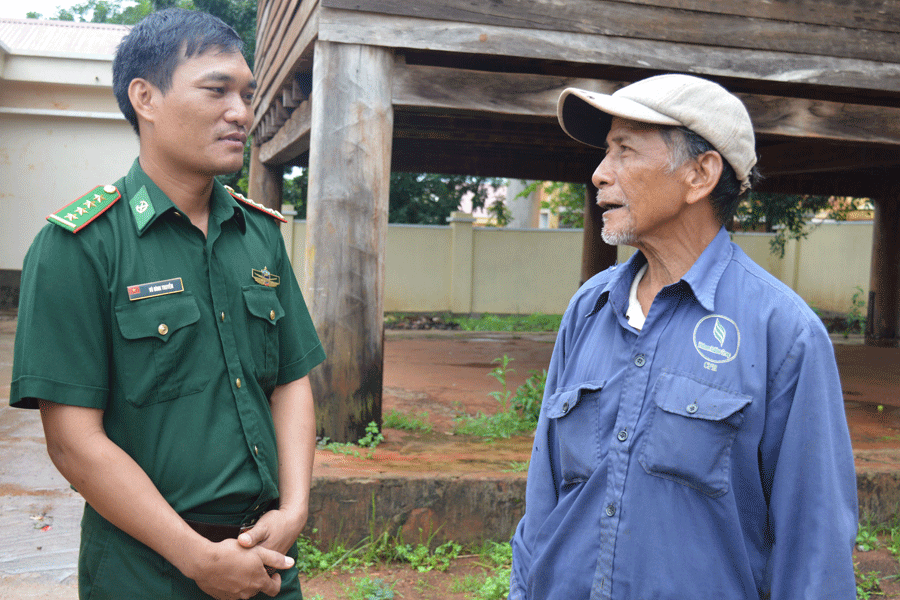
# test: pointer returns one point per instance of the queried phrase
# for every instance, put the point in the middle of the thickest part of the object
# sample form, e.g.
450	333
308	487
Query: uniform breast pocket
263	313
158	360
691	432
577	417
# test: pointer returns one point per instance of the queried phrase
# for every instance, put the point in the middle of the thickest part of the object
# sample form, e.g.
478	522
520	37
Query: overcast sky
18	10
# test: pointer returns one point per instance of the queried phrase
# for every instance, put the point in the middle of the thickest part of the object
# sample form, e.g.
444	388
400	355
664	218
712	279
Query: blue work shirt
705	456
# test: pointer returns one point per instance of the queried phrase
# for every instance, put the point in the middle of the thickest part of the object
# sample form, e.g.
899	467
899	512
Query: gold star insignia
89	203
98	198
80	210
71	217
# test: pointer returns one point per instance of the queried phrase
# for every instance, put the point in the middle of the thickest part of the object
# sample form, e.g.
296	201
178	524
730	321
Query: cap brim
586	116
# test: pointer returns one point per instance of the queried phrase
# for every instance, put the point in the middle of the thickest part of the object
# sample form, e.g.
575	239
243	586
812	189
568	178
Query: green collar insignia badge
76	215
264	277
142	208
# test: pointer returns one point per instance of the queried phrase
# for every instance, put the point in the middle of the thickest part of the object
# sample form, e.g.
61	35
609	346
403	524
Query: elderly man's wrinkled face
641	192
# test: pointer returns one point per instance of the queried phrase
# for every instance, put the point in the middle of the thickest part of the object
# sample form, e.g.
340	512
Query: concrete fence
460	268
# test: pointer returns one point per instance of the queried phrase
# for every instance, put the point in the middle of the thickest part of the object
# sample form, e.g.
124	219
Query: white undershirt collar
635	313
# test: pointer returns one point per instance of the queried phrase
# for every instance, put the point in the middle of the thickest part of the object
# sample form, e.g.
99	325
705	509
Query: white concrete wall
537	271
61	135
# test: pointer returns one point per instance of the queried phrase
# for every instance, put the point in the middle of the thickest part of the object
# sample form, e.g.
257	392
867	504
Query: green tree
428	198
415	198
564	200
788	215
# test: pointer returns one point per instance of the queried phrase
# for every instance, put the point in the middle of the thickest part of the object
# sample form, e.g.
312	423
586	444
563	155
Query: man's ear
703	175
142	95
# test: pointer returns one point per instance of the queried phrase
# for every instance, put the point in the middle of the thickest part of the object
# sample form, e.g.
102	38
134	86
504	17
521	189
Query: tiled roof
41	36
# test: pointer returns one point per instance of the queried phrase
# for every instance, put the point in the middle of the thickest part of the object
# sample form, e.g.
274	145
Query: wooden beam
265	184
625	19
294	54
291	140
517	94
877	15
883	320
596	255
589	49
463	158
810	156
347	208
272	29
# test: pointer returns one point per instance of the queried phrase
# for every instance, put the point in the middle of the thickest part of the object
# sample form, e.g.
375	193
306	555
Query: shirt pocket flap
262	302
681	395
158	318
563	402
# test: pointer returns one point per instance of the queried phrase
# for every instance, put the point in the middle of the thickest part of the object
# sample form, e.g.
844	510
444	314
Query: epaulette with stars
76	215
244	200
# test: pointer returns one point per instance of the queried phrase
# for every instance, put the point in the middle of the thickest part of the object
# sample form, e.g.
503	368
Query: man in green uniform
163	335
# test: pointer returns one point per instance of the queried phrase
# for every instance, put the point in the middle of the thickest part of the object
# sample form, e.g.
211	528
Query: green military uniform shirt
178	337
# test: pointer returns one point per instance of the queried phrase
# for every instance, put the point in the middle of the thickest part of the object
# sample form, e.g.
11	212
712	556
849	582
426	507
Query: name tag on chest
157	288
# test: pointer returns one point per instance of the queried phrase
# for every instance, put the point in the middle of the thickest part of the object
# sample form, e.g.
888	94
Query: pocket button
692	408
163	329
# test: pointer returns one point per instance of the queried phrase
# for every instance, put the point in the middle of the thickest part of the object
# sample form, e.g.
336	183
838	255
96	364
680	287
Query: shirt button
623	435
692	408
237	382
610	510
256	450
163	329
222	316
272	315
639	360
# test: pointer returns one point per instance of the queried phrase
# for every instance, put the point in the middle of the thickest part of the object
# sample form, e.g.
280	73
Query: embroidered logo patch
157	288
717	339
264	277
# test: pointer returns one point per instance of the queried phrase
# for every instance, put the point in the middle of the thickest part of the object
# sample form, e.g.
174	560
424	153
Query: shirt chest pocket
690	434
159	360
264	311
577	415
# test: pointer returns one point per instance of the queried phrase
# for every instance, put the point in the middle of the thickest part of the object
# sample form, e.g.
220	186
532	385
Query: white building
61	132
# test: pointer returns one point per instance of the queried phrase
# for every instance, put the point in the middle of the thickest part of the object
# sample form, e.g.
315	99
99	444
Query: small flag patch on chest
157	288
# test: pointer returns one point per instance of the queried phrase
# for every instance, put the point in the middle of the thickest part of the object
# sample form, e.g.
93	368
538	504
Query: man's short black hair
727	194
155	47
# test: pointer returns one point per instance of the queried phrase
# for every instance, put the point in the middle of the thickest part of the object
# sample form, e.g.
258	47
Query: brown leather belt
217	533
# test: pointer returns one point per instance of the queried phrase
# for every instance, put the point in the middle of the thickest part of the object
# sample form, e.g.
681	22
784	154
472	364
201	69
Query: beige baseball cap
704	107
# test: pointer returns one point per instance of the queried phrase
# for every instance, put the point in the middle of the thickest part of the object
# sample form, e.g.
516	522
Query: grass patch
485	322
409	422
525	323
369	441
518	412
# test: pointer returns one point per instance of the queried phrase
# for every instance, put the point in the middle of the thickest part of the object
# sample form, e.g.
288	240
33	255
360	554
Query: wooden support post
265	184
883	320
351	128
596	254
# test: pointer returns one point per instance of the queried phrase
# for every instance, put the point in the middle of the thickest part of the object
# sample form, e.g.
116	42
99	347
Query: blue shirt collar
702	278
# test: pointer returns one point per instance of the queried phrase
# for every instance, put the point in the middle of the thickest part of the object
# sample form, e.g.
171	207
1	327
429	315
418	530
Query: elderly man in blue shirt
692	442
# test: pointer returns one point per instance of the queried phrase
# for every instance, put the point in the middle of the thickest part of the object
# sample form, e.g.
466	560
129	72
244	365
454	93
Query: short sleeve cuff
302	367
27	390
